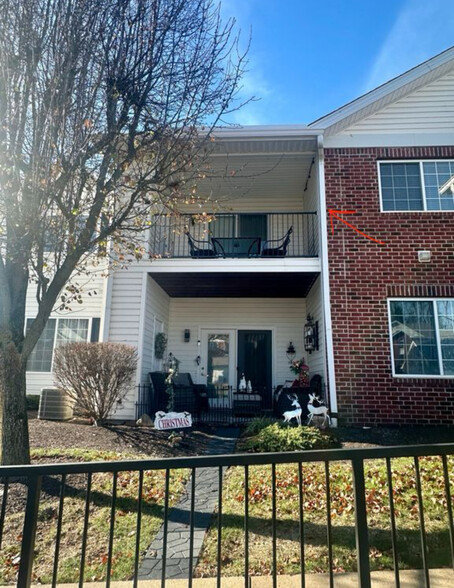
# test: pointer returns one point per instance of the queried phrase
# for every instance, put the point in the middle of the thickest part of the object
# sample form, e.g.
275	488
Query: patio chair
186	395
276	247
199	249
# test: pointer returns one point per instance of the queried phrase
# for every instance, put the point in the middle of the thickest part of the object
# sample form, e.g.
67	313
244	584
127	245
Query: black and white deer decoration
320	410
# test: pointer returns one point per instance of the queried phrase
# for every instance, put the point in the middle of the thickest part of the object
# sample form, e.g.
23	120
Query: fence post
362	537
29	532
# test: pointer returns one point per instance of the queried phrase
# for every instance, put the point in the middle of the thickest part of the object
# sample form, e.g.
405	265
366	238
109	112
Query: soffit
235	284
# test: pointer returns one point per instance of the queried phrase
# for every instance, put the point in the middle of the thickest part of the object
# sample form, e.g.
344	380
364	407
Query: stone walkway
178	530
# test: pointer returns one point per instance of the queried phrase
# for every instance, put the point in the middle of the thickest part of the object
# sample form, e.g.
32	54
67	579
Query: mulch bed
143	441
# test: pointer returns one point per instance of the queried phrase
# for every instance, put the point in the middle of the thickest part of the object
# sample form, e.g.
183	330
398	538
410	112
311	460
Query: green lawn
99	521
341	515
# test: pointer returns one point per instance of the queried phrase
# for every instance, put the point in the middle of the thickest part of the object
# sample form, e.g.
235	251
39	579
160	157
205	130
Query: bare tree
102	104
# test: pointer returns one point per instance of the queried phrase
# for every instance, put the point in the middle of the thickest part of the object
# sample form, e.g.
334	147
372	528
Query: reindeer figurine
321	410
293	414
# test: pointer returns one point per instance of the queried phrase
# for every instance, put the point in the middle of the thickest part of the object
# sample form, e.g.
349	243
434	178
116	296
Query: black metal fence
101	485
220	405
168	238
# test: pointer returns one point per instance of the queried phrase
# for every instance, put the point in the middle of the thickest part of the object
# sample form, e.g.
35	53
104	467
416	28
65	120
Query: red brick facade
363	274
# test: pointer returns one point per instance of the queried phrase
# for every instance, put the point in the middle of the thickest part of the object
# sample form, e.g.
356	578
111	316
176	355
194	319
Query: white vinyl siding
314	307
430	108
156	320
285	318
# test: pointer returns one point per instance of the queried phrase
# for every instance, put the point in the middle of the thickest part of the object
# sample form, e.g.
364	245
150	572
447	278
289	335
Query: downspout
106	306
325	277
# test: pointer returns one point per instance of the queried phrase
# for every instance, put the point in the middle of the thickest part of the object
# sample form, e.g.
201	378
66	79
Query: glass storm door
218	351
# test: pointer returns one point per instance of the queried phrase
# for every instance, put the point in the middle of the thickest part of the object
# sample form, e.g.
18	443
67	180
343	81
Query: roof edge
383	90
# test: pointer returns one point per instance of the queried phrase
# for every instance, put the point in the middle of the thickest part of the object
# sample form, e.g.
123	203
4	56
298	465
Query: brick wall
363	274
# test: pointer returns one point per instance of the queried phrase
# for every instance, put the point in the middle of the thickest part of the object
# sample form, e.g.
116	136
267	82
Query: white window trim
437	335
423	187
57	318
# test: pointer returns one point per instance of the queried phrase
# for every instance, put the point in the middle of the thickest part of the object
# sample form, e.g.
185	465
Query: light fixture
424	256
187	335
290	351
310	334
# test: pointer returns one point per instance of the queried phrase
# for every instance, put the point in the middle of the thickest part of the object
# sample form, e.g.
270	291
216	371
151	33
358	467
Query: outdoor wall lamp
310	335
290	351
186	335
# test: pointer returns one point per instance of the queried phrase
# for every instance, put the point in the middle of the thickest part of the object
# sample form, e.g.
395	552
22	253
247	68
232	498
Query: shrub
279	437
256	425
32	401
95	375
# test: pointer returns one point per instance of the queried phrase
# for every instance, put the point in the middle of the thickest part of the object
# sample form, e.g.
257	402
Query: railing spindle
301	523
362	536
29	532
219	551
138	529
85	532
112	527
422	524
393	522
449	505
273	522
328	525
191	528
165	527
58	535
3	509
246	526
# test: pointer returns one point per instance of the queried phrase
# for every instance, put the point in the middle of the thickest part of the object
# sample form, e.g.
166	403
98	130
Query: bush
95	375
32	401
256	425
279	437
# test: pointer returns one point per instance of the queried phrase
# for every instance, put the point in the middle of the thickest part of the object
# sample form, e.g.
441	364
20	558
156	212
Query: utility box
55	405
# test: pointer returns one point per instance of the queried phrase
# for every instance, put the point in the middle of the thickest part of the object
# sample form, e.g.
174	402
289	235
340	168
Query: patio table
237	246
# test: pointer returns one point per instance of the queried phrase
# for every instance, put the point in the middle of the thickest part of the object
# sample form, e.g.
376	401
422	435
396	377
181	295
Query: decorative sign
172	420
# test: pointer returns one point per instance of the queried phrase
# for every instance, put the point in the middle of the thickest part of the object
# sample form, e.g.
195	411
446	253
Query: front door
254	361
218	365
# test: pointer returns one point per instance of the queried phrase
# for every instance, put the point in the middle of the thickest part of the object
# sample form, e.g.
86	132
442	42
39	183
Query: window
417	185
422	337
56	332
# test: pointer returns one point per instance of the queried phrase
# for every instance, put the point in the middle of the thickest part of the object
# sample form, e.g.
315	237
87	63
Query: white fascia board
419	139
384	90
296	264
268	131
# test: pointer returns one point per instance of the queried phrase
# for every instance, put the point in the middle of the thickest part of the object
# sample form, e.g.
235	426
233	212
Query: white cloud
422	29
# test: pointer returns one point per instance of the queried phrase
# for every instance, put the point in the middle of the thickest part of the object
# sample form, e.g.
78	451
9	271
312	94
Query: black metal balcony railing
249	233
62	479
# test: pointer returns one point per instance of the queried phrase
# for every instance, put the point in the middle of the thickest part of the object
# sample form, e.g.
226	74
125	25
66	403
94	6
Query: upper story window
422	337
416	185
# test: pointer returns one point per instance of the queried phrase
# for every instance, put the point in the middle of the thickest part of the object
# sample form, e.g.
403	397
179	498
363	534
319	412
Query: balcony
235	235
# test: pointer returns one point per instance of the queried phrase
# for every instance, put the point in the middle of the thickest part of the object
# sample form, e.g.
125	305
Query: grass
99	521
341	517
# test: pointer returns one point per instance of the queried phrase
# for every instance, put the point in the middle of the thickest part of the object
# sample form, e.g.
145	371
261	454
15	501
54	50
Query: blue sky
308	58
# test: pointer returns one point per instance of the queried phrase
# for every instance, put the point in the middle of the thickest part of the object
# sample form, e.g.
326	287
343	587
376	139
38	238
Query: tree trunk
14	445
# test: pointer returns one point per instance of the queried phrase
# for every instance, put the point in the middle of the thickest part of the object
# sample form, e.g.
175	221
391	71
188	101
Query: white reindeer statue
317	410
293	414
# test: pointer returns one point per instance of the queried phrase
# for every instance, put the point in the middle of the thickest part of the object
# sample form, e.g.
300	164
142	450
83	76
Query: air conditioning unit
55	405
